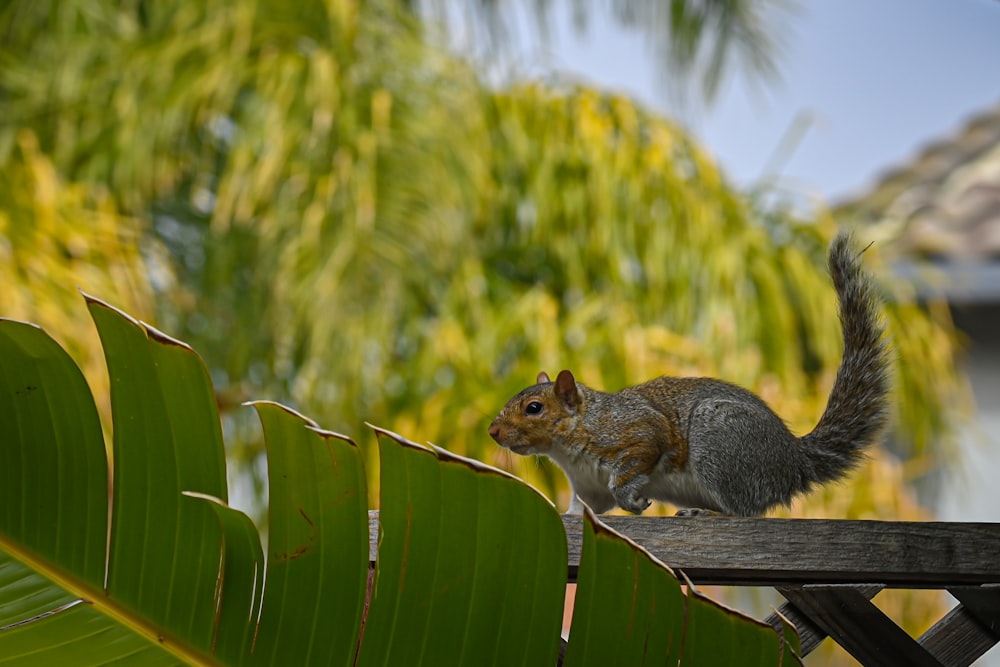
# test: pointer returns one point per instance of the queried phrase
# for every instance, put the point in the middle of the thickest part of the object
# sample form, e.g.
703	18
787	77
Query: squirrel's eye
533	408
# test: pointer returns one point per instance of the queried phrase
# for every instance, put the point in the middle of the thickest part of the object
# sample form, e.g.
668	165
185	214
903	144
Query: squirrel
707	446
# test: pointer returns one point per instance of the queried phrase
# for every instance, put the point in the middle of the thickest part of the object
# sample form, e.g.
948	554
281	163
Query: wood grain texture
969	630
958	639
829	570
776	552
755	552
810	634
983	603
859	626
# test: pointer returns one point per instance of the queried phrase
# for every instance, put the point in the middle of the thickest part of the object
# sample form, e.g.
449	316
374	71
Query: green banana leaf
155	568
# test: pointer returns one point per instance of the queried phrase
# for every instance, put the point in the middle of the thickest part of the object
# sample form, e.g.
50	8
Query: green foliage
490	556
345	218
160	393
613	574
317	543
471	564
57	236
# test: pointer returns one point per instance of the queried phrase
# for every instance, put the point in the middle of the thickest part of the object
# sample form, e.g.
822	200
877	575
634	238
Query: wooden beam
810	634
755	552
983	603
788	552
958	639
859	626
828	570
969	630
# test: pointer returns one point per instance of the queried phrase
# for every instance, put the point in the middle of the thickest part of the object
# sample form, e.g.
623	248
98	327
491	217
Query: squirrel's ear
543	377
566	389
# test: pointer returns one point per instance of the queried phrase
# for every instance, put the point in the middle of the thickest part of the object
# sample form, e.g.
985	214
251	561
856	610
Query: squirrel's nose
495	432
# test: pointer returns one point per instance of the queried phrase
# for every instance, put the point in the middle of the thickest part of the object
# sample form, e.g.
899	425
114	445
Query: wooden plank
859	626
983	602
775	552
969	630
825	569
758	551
810	634
958	639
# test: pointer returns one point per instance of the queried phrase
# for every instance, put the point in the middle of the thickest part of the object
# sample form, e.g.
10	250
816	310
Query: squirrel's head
538	417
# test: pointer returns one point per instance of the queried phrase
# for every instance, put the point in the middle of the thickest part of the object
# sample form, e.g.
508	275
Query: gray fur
741	452
704	443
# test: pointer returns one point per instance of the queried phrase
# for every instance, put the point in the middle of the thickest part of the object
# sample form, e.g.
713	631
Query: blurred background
399	212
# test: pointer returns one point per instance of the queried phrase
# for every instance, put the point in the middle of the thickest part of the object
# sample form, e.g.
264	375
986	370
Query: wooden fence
829	570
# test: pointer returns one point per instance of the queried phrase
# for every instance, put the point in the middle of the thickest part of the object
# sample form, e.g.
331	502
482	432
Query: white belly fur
589	482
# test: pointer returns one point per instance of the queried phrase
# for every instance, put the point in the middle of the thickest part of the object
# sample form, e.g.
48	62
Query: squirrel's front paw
635	504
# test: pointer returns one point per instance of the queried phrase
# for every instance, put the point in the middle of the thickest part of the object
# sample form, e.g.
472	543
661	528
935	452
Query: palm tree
340	214
698	44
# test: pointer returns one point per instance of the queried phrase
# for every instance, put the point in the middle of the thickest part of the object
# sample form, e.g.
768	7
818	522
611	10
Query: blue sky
881	78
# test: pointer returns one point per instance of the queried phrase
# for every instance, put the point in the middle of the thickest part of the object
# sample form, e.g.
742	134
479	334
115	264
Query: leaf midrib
99	601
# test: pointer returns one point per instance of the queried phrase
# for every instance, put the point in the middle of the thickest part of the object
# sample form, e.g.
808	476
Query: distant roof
943	208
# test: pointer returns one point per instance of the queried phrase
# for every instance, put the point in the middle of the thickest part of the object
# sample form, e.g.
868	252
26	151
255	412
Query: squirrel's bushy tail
858	407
